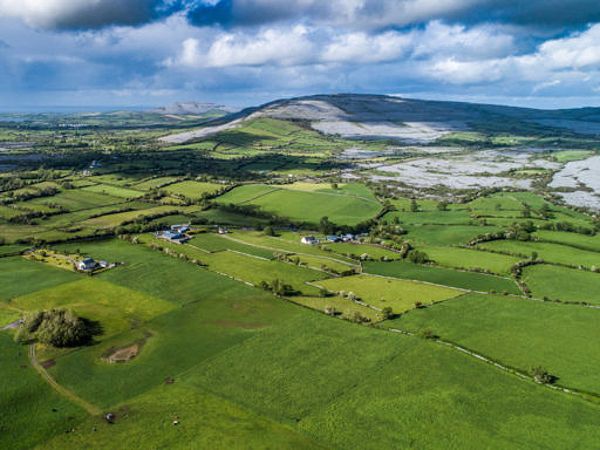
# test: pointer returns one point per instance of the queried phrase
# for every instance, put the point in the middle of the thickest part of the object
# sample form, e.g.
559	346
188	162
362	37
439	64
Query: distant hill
409	120
194	108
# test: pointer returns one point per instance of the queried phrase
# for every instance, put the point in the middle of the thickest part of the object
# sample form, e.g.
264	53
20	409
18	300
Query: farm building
222	230
180	228
334	238
174	236
309	240
86	264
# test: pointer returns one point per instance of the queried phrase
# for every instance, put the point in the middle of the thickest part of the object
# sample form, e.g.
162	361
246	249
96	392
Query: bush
541	375
57	327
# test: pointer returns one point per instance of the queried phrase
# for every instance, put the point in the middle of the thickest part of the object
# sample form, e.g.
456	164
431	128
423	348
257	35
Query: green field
405	337
469	259
563	283
115	191
347	205
192	189
215	243
520	333
19	276
115	307
400	295
581	241
446	234
439	275
549	252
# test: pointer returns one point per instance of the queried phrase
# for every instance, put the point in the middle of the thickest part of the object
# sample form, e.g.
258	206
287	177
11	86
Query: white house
309	240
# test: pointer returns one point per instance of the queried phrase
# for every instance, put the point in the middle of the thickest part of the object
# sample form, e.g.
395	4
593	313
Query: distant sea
68	109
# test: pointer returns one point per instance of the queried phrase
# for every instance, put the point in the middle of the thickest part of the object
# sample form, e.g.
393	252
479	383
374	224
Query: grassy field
574	239
179	340
116	308
446	234
19	276
344	308
192	189
115	191
32	413
520	333
555	253
215	243
381	396
563	283
354	250
464	258
347	205
400	295
439	275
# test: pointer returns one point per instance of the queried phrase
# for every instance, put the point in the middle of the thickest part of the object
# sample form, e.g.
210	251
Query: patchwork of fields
249	338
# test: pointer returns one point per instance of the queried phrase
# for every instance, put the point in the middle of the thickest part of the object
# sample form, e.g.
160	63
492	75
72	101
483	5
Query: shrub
57	327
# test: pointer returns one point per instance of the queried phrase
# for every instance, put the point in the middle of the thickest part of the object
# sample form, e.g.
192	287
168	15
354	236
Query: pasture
348	205
563	283
400	295
520	333
470	259
549	252
440	275
192	189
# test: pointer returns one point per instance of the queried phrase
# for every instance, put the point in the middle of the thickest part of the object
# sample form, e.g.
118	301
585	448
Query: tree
414	207
334	186
325	226
58	327
442	206
268	231
387	313
541	375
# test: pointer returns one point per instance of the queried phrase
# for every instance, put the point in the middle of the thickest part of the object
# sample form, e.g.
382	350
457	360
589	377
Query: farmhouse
86	265
180	228
334	238
174	236
222	230
309	240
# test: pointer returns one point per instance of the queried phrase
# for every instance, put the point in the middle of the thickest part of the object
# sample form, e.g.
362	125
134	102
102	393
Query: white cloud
78	13
279	47
366	48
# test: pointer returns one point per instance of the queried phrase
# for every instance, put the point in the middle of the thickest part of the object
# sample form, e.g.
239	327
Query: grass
555	253
345	308
356	250
571	155
400	295
351	387
464	258
563	283
452	217
78	199
439	275
574	239
348	205
520	333
116	308
113	220
192	189
149	424
215	243
115	191
446	234
155	274
179	340
19	276
32	413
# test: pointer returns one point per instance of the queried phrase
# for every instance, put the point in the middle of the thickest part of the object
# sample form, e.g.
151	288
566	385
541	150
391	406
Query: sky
93	54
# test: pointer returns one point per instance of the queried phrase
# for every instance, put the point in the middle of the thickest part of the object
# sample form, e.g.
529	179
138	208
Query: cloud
82	14
386	13
270	46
